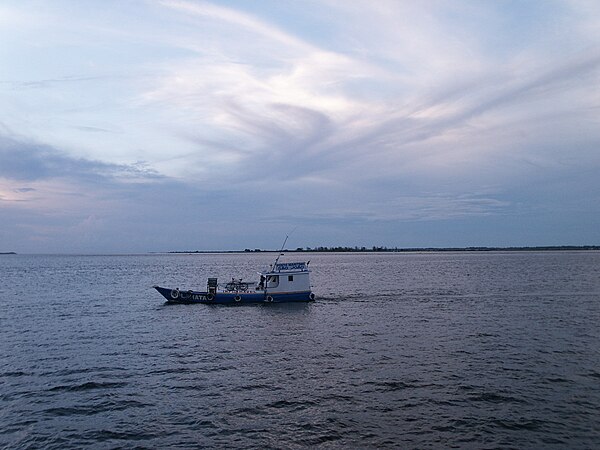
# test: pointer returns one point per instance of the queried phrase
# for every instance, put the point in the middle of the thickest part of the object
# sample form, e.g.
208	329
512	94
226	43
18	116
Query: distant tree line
341	249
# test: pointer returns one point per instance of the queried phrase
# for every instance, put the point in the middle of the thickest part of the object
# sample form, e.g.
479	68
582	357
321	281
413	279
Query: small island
8	253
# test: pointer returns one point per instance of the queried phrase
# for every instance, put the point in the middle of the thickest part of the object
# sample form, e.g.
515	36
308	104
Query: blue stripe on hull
176	296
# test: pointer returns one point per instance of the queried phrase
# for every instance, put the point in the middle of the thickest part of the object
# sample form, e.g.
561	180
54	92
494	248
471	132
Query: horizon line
338	249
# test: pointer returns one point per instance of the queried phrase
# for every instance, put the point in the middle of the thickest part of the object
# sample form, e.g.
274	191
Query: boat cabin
285	277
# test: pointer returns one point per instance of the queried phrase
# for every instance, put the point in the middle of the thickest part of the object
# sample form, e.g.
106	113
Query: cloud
51	83
304	108
408	209
235	19
24	160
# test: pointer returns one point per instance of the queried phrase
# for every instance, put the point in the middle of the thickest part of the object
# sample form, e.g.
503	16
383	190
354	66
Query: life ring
210	296
175	293
237	298
269	298
186	295
311	296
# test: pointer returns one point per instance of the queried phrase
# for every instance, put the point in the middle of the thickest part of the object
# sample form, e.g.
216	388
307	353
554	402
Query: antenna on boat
279	255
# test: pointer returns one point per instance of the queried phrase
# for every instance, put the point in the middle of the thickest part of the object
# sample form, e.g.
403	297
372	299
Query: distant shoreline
403	250
8	253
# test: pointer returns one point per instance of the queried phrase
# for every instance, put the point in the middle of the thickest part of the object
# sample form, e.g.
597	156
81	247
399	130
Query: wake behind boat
282	282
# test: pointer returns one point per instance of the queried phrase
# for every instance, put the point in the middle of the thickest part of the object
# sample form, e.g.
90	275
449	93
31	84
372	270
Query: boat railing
238	286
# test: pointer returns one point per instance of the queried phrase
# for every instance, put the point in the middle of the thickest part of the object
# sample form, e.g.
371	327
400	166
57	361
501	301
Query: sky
140	126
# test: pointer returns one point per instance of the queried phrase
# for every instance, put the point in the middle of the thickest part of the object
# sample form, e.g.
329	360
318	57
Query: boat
280	283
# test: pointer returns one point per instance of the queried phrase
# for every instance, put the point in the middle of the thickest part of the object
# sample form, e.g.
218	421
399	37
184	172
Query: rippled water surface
477	350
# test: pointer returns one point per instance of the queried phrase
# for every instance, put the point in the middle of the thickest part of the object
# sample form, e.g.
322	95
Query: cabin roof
287	268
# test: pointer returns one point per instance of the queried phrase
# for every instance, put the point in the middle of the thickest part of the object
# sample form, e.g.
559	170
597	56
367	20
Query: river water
415	350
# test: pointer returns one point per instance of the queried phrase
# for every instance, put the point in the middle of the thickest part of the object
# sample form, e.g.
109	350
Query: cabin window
273	281
290	277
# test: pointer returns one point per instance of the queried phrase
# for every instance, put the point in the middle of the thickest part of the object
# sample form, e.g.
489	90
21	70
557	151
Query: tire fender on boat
175	293
237	298
311	296
210	296
269	298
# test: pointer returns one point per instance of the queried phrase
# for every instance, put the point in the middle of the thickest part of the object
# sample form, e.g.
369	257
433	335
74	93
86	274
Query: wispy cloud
49	83
321	116
236	19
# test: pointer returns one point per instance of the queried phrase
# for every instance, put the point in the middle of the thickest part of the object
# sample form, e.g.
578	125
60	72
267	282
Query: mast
280	254
275	264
